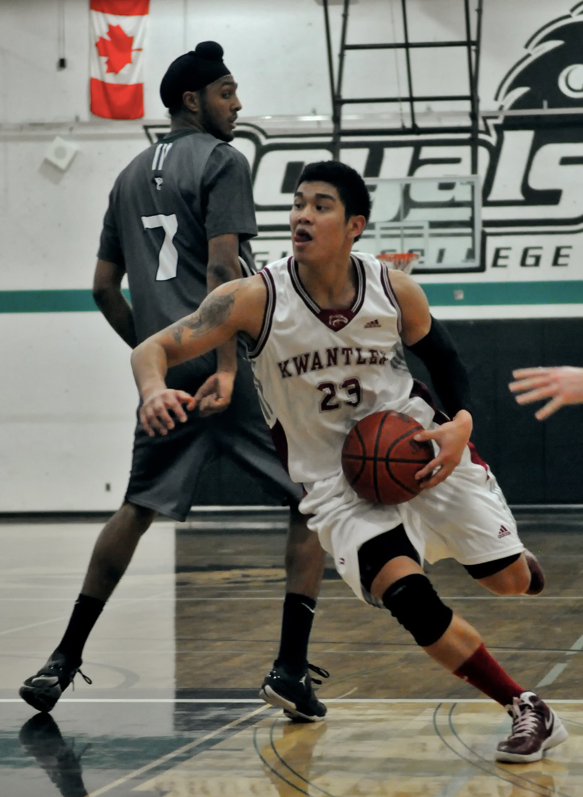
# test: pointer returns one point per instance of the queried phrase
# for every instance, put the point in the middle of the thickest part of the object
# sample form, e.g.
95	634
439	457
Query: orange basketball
380	457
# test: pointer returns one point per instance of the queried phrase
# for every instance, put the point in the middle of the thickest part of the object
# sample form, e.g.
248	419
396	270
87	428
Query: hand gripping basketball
380	457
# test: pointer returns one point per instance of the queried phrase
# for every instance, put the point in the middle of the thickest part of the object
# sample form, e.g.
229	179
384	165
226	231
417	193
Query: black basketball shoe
294	693
42	690
41	738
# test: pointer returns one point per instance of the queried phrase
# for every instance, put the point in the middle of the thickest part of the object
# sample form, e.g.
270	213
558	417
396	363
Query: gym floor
179	653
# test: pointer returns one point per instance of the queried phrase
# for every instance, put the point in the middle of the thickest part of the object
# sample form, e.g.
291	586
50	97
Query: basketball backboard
436	217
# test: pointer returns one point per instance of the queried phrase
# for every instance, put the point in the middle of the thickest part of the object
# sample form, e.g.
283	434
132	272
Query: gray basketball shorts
166	470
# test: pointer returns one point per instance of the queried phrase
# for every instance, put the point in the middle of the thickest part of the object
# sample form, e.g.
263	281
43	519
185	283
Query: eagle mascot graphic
551	74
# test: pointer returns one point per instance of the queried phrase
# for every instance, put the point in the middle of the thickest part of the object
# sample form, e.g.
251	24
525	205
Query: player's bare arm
108	296
223	266
223	261
237	306
213	312
563	385
417	324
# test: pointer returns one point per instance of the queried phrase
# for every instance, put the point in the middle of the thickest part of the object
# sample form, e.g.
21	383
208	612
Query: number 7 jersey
318	372
164	208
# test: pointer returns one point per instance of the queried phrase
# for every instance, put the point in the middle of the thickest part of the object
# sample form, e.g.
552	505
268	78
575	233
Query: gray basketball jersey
163	209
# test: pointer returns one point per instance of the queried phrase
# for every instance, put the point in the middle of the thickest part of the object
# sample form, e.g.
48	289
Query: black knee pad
418	608
374	554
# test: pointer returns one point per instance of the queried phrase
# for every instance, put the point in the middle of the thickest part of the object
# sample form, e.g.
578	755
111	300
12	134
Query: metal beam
407	45
404	131
418	98
408	62
472	46
338	92
334	106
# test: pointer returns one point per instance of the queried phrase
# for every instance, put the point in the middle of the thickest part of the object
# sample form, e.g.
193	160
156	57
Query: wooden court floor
178	656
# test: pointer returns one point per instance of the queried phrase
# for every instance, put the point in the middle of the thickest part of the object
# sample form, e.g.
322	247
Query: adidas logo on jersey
372	324
503	532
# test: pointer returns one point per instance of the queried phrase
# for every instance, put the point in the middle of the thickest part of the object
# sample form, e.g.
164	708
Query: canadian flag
118	29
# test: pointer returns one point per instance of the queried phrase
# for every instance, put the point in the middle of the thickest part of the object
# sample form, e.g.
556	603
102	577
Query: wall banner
530	163
118	30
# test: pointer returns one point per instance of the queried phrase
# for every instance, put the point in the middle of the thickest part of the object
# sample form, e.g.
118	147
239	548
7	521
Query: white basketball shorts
465	517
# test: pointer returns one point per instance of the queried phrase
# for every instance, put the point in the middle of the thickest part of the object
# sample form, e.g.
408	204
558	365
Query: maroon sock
484	672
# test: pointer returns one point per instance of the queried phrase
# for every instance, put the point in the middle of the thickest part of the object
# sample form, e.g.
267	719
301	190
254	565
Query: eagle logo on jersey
337	321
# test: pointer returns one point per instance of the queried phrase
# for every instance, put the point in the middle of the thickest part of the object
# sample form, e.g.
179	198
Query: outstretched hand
563	385
155	412
452	438
215	394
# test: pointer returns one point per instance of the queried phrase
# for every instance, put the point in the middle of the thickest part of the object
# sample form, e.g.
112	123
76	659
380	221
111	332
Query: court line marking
294	772
395	649
119	605
539	599
460	781
212	525
489	767
578	645
551	676
502	766
345	695
33	625
275	772
234	700
558	669
169	756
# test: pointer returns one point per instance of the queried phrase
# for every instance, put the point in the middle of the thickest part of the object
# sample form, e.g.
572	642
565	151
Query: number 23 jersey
318	372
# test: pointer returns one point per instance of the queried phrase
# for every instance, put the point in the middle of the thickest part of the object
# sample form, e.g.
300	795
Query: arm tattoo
211	314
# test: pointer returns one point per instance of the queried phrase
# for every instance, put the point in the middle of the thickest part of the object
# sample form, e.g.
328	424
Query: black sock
296	624
85	614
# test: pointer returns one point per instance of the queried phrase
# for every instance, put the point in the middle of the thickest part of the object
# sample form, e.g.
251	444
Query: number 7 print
168	256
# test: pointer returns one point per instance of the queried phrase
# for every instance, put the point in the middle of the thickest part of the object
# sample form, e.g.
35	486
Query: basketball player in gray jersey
179	221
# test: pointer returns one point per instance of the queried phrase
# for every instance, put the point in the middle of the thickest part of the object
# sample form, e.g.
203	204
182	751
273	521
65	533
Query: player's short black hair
347	181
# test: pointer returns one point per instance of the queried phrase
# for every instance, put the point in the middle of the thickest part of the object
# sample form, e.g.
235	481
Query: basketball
380	457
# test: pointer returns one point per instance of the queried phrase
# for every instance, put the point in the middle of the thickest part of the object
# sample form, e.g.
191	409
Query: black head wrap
192	71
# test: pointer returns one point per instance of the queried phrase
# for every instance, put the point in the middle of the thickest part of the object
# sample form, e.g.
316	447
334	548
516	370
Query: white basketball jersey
318	372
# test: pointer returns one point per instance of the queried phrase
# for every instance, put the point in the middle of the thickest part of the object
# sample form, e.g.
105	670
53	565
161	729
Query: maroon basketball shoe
537	576
535	728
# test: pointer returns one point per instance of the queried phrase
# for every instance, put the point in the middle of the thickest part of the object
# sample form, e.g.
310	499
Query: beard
212	126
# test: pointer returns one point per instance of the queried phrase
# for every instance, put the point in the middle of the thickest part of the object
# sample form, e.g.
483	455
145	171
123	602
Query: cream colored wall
66	395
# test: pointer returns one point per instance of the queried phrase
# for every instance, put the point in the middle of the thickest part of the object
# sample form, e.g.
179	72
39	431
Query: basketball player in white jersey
324	329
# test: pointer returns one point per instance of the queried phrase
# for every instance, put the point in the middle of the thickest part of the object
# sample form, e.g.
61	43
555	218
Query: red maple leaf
118	48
